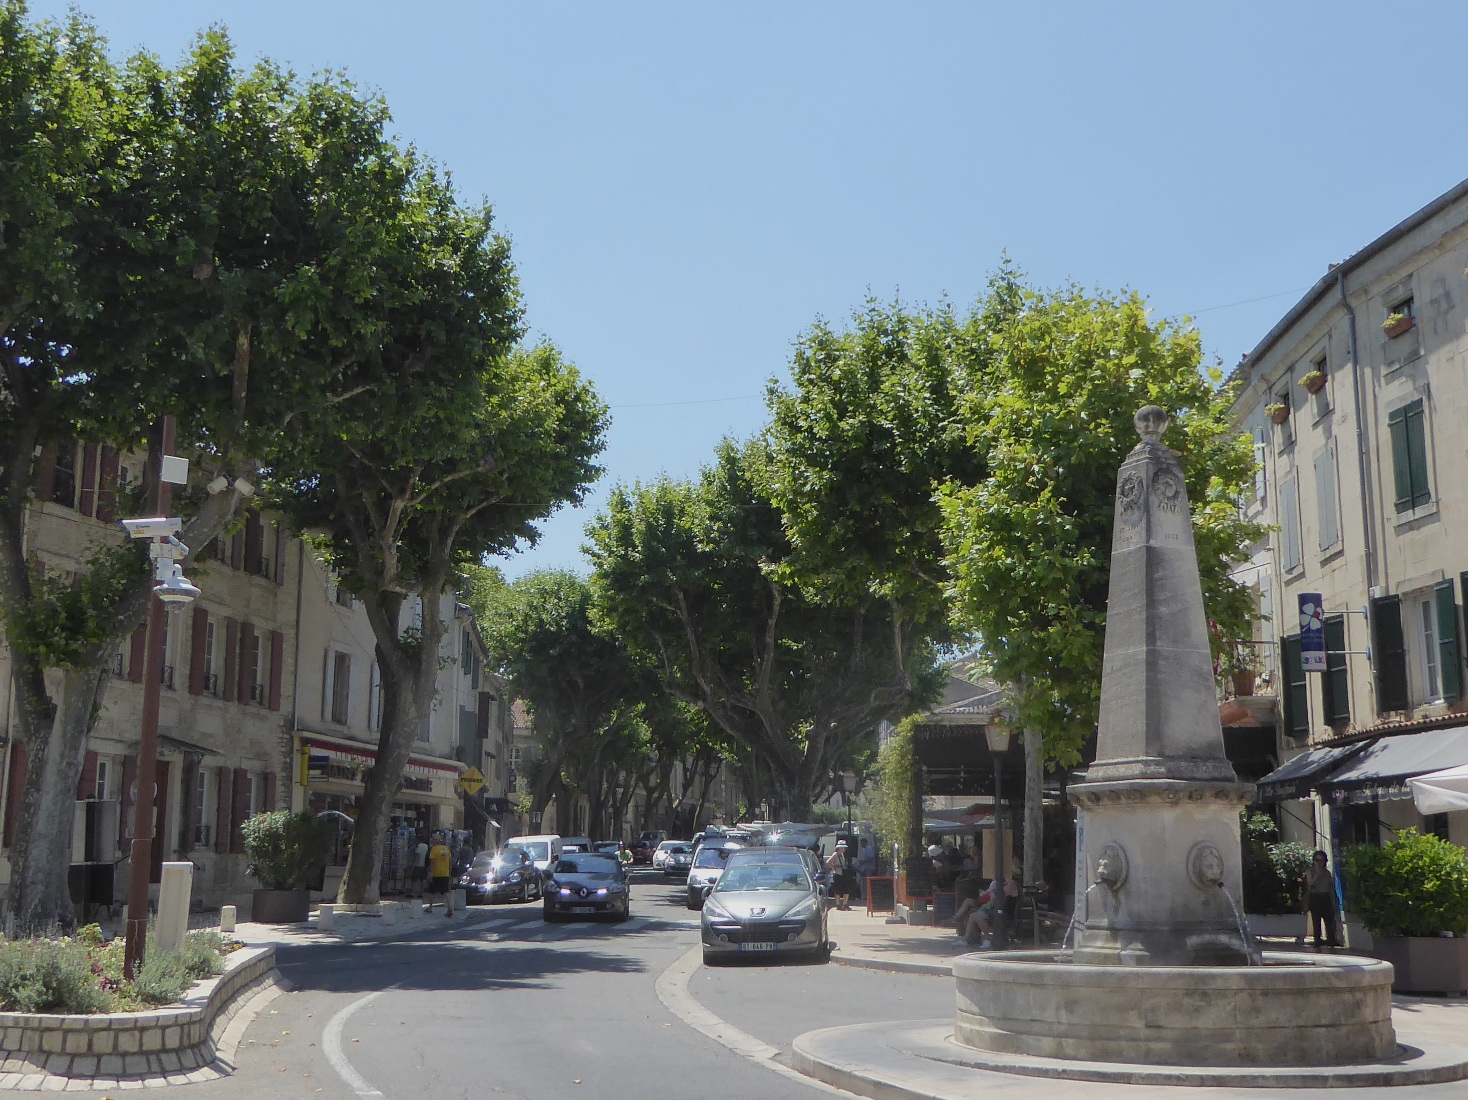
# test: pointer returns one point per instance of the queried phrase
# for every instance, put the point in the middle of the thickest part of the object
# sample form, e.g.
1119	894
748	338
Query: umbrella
1441	792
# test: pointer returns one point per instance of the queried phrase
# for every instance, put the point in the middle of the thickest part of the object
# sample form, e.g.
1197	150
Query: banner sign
1312	632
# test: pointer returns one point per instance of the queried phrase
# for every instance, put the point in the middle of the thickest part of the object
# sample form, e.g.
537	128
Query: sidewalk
398	919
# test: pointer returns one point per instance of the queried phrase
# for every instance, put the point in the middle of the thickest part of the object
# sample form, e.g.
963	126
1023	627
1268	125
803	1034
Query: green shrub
1415	886
162	978
49	976
285	848
203	955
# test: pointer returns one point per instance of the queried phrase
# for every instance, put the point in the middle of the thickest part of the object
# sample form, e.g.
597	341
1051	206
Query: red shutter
246	681
107	486
280	541
129	780
270	781
222	812
236	550
231	652
46	471
86	786
277	658
241	811
188	809
137	658
254	537
200	635
87	505
14	790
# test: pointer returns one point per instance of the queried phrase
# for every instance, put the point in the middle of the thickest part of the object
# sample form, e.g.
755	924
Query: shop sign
471	780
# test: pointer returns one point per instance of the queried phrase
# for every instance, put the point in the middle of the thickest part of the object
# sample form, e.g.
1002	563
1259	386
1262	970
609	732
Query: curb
894	966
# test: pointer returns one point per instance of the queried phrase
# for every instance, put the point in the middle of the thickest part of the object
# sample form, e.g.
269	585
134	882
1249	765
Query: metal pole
1001	933
141	863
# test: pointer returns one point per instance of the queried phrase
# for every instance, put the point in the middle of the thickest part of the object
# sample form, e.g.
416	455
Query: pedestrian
419	870
840	876
866	864
440	859
975	920
1320	901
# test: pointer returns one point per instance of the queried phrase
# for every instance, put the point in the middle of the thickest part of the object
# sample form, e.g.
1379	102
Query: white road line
331	1045
672	990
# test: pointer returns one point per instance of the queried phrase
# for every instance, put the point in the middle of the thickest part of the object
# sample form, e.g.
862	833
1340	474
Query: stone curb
175	1045
895	966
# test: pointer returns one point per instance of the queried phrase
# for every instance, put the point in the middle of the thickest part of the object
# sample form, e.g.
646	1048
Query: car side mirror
706	890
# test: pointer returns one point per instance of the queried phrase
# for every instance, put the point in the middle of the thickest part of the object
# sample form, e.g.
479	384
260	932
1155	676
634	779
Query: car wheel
549	917
539	892
694	902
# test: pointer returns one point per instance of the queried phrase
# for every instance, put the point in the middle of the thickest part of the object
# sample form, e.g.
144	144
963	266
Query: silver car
765	903
708	865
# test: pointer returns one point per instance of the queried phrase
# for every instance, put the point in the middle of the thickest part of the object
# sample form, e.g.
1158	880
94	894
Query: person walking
419	871
440	860
840	876
1320	901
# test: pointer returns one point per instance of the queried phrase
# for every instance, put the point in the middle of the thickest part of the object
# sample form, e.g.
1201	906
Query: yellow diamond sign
471	780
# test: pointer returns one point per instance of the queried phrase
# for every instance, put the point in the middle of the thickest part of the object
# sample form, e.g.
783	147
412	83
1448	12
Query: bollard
389	913
226	918
325	917
460	900
174	890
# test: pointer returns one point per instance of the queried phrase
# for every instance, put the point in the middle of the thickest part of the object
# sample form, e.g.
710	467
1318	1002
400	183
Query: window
1449	649
1336	683
211	681
340	595
63	489
259	674
1291	557
336	687
251	791
1259	481
1321	397
1326	504
1389	654
1408	429
1296	695
1285	436
203	810
103	789
1407	308
516	754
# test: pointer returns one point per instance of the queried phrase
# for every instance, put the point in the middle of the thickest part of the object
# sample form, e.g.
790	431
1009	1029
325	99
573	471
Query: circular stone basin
1295	1010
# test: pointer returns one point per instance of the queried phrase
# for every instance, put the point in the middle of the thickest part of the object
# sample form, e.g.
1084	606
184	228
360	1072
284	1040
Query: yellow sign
471	780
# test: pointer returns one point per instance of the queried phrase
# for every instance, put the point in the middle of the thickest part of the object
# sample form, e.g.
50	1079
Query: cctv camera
156	528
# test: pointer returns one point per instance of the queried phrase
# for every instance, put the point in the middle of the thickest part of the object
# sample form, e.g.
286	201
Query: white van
544	849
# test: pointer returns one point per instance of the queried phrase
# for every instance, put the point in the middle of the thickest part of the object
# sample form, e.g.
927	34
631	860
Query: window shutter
270	784
240	798
87	505
1336	683
1289	503
280	541
1296	699
1325	498
236	550
231	656
222	811
277	658
137	657
188	811
196	651
86	785
254	535
14	790
326	669
126	802
1448	648
1417	453
46	471
1389	653
1396	425
246	681
107	486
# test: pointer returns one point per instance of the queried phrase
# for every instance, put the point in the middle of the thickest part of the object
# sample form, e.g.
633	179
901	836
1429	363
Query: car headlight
515	876
616	888
807	908
714	911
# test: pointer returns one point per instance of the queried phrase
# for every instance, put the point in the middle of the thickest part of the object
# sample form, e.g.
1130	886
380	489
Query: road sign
471	780
1312	632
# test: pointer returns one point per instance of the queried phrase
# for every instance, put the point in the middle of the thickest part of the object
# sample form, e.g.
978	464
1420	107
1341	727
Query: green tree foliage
1052	381
894	799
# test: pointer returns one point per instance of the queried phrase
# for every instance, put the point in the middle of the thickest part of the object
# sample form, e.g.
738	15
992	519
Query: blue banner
1312	632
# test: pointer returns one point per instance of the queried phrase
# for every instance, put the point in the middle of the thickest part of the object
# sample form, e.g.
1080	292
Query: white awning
1443	792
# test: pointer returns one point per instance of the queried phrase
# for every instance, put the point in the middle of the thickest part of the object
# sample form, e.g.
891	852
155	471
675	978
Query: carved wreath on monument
1129	497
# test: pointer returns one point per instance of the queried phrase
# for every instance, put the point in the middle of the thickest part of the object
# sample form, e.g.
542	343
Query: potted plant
1412	896
284	851
1314	381
1278	412
1239	661
1396	324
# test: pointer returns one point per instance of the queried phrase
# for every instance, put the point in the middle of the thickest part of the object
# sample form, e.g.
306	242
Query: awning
1443	792
1382	771
1295	778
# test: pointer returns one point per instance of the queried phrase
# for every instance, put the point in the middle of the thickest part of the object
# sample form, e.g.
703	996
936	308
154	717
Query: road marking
672	990
331	1045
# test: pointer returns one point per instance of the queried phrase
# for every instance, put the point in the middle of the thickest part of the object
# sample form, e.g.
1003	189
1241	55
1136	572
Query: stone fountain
1163	982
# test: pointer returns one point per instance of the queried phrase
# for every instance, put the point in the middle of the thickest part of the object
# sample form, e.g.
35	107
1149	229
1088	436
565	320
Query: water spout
1251	949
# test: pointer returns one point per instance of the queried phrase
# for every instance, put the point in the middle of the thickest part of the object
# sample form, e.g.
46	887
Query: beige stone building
1357	401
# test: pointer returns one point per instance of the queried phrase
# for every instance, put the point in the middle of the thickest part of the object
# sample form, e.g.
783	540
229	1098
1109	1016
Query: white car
660	853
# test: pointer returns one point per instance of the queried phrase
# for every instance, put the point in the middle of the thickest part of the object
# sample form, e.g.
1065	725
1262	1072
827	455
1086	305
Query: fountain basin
1295	1010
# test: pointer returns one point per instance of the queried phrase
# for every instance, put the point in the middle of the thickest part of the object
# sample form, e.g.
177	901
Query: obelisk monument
1158	810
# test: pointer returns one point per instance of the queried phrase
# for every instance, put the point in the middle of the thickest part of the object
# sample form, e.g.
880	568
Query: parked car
544	849
647	843
660	853
587	885
575	843
607	847
507	875
707	866
765	902
677	859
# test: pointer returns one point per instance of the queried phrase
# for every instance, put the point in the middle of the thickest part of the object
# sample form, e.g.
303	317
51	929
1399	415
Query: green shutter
1389	653
1396	424
1335	685
1296	698
1417	453
1448	649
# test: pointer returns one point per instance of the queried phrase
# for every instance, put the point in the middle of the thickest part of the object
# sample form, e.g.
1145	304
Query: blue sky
688	185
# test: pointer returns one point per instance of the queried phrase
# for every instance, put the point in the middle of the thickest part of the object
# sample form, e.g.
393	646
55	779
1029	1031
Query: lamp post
171	592
848	781
997	733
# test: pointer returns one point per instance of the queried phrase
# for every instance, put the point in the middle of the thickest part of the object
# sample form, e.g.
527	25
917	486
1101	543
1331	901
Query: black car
583	884
509	875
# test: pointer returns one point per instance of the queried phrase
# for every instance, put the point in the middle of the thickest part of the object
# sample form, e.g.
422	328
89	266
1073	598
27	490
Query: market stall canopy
1382	771
1296	778
1443	792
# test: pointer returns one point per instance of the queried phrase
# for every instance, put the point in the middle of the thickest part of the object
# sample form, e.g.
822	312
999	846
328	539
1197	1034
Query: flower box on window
1313	382
1278	412
1397	324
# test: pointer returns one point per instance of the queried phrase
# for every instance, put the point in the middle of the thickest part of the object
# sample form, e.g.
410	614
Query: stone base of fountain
1295	1010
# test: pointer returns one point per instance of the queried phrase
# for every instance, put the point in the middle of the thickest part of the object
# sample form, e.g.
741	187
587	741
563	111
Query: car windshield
677	850
535	849
712	857
763	876
587	865
509	858
484	859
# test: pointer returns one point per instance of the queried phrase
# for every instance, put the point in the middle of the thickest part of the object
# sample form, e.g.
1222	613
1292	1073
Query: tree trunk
1034	834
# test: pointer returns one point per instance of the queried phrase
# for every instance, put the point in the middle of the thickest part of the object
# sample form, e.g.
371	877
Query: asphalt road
518	1008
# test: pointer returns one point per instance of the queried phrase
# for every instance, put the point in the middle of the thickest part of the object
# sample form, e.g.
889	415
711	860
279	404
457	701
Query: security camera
155	528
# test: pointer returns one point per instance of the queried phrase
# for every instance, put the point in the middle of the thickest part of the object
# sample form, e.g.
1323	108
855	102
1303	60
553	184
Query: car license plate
756	947
583	909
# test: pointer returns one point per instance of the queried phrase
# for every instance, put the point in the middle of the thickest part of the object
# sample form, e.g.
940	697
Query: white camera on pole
173	588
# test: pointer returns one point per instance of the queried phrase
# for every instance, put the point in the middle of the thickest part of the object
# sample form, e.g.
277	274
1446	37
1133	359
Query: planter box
1425	964
1280	415
281	906
1313	382
1400	328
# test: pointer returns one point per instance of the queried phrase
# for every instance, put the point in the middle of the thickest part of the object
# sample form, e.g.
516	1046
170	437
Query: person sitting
976	919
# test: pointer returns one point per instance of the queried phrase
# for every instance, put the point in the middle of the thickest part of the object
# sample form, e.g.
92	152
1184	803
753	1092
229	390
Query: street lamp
848	781
997	733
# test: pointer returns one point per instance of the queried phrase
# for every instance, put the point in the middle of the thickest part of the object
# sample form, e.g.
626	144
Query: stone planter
1425	964
281	906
